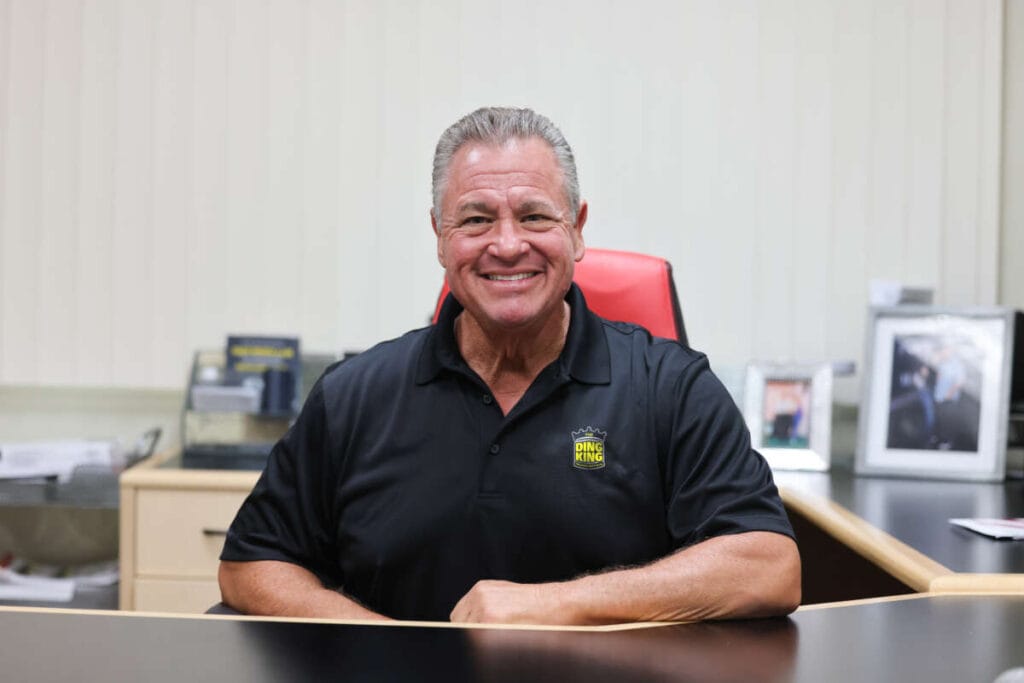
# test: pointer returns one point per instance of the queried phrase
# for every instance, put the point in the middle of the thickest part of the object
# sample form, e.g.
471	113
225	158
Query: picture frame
936	394
788	409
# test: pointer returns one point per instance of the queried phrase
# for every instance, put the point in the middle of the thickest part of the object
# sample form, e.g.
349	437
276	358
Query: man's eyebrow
480	207
534	205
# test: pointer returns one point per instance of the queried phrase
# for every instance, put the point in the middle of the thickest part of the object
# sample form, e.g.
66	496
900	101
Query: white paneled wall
175	170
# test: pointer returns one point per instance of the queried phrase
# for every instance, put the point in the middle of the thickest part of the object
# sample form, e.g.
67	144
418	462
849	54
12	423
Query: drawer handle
207	531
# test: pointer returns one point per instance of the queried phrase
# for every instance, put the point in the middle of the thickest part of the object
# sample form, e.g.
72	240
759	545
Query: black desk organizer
236	440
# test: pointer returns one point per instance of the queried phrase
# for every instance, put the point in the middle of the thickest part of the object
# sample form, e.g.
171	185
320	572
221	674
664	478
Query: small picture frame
936	393
788	409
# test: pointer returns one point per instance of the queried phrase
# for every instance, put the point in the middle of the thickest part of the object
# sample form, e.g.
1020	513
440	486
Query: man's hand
505	602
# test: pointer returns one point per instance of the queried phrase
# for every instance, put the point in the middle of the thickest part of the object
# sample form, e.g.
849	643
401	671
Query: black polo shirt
402	483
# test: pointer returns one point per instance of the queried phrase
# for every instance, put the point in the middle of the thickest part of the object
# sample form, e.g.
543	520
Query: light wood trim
863	601
356	622
126	551
149	474
1003	584
913	568
211	480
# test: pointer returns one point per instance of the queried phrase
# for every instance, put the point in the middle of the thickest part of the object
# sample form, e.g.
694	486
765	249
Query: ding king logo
588	448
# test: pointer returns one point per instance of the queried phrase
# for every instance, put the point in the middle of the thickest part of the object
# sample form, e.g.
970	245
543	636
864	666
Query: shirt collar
585	357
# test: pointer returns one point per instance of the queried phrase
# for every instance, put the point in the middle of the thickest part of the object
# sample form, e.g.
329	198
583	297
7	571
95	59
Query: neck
508	362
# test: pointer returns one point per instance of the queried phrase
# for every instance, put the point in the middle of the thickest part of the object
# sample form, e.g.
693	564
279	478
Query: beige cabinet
173	523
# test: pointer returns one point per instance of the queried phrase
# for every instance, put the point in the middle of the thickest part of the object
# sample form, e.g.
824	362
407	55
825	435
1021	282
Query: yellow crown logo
588	448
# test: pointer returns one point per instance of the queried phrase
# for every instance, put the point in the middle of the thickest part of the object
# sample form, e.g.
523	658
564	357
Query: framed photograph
788	409
936	393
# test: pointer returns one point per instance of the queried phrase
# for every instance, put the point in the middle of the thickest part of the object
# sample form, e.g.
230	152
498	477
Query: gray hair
496	126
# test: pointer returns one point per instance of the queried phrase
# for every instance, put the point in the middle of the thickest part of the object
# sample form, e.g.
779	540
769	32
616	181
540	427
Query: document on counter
1003	529
54	458
15	586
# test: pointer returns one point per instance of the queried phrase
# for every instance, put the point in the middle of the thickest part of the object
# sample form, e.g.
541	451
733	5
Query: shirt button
495	448
488	400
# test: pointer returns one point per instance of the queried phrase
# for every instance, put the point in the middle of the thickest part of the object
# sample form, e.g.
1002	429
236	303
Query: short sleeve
288	515
716	484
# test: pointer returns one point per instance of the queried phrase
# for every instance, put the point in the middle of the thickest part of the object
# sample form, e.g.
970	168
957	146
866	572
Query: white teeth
510	278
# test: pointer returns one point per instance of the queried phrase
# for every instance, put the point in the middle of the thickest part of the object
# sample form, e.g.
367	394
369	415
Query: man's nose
508	242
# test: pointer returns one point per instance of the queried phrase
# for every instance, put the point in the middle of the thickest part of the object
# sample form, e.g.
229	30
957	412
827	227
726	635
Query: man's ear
581	220
437	234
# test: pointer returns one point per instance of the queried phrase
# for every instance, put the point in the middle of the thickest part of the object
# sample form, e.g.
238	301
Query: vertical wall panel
248	149
173	187
774	268
320	295
734	214
683	86
132	230
5	42
282	225
989	153
812	203
93	295
402	230
21	201
849	173
926	142
171	172
360	267
55	274
206	286
885	224
965	42
1011	284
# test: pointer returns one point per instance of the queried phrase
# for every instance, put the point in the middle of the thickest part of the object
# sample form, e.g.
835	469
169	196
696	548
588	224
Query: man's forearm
270	588
744	575
753	574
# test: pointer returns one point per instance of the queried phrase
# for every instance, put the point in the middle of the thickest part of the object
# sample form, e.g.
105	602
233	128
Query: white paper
53	458
15	586
1012	529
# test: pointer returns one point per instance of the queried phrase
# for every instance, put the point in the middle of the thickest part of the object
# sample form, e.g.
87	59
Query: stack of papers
15	586
1012	529
53	584
54	458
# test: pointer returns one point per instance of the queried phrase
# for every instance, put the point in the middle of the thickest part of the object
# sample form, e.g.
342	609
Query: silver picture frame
788	410
936	393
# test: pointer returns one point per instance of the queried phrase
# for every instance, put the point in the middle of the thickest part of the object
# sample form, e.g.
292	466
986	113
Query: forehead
519	164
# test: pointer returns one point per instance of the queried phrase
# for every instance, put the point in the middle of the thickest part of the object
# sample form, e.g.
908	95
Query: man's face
506	236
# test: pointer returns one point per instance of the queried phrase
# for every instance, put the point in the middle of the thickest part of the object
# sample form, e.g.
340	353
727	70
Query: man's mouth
510	278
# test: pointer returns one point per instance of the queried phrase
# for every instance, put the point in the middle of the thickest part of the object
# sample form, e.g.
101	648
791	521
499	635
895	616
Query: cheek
454	252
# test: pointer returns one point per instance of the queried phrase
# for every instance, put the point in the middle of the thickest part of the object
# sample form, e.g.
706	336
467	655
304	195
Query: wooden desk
860	537
923	638
901	526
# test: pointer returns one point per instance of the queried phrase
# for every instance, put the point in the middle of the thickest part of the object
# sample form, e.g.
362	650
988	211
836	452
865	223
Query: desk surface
924	638
916	511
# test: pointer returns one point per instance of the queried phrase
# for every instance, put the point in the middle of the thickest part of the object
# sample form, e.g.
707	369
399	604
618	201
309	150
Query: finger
460	613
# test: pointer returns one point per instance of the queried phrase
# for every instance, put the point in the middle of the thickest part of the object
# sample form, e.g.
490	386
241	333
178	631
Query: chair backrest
629	287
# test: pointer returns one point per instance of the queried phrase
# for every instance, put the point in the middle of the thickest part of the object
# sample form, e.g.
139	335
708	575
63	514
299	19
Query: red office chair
621	285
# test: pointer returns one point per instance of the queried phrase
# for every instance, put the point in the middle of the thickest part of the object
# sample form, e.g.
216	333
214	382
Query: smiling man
522	460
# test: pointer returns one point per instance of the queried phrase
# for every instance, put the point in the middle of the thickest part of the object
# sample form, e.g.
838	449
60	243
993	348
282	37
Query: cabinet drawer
180	533
168	595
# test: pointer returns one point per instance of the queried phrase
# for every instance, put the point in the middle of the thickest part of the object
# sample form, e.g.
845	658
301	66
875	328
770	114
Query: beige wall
1011	271
175	170
29	413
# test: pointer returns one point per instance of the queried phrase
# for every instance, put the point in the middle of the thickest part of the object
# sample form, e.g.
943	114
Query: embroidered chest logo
588	446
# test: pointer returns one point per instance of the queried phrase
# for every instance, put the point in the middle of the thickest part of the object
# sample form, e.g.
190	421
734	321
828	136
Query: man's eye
535	217
475	220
